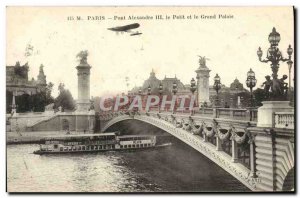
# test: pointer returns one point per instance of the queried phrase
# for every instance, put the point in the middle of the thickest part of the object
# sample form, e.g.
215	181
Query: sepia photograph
150	99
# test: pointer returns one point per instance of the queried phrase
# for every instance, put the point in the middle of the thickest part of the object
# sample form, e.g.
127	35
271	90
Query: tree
64	99
9	97
24	103
259	95
49	98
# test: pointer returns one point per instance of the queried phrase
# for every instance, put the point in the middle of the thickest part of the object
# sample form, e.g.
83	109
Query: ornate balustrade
284	120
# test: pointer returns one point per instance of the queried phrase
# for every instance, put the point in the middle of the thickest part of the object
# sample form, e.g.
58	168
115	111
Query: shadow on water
175	168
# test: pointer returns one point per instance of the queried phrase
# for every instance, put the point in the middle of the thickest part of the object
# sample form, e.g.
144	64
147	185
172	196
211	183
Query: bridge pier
274	157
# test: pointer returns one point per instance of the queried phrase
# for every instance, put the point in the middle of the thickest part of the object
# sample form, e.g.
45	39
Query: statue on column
202	61
82	55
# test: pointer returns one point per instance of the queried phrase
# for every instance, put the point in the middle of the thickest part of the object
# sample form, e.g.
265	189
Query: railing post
218	144
231	113
215	112
234	151
204	138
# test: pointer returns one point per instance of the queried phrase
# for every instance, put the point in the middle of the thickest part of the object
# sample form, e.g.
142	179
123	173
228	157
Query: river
178	168
175	168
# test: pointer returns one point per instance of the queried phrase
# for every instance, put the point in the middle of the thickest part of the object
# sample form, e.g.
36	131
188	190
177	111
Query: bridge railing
284	120
232	140
227	113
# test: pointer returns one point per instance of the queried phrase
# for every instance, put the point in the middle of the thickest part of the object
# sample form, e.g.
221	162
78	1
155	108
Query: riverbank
32	137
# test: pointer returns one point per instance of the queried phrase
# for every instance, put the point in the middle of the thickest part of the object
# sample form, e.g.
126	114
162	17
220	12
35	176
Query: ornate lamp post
193	89
160	90
274	56
217	87
251	82
290	64
174	90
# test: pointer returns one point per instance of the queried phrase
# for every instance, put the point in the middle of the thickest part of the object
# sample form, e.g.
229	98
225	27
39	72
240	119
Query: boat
86	143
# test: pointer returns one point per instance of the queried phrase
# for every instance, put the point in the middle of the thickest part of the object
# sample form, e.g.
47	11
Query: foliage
64	100
21	71
259	95
26	102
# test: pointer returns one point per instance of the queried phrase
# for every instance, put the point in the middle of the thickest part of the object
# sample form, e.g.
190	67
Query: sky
169	47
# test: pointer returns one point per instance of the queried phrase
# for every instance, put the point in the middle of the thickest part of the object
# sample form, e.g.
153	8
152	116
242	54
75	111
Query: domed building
154	83
236	86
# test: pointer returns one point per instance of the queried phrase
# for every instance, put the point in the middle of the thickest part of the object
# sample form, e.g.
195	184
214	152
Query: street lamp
290	64
193	89
217	87
274	56
174	90
160	90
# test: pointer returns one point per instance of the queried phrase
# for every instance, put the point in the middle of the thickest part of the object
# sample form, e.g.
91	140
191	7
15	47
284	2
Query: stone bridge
260	158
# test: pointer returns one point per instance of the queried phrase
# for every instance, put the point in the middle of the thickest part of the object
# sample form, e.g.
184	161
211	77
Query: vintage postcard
150	99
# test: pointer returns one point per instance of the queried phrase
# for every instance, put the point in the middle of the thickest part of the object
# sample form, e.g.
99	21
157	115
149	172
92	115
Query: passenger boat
86	143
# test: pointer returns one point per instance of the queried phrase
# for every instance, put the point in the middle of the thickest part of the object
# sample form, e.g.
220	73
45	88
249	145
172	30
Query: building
153	82
228	95
80	120
235	95
17	82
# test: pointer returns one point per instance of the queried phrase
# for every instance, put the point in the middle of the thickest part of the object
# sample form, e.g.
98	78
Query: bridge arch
237	170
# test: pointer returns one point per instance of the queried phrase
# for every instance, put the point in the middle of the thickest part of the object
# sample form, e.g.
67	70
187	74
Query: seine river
177	168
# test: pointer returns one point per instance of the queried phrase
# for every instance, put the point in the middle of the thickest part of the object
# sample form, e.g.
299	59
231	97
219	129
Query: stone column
83	73
203	83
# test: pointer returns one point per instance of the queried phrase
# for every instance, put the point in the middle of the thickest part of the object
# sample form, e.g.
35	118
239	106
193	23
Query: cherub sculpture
267	85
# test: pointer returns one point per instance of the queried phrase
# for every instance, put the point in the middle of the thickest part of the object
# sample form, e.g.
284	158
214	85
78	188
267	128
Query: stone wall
72	121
